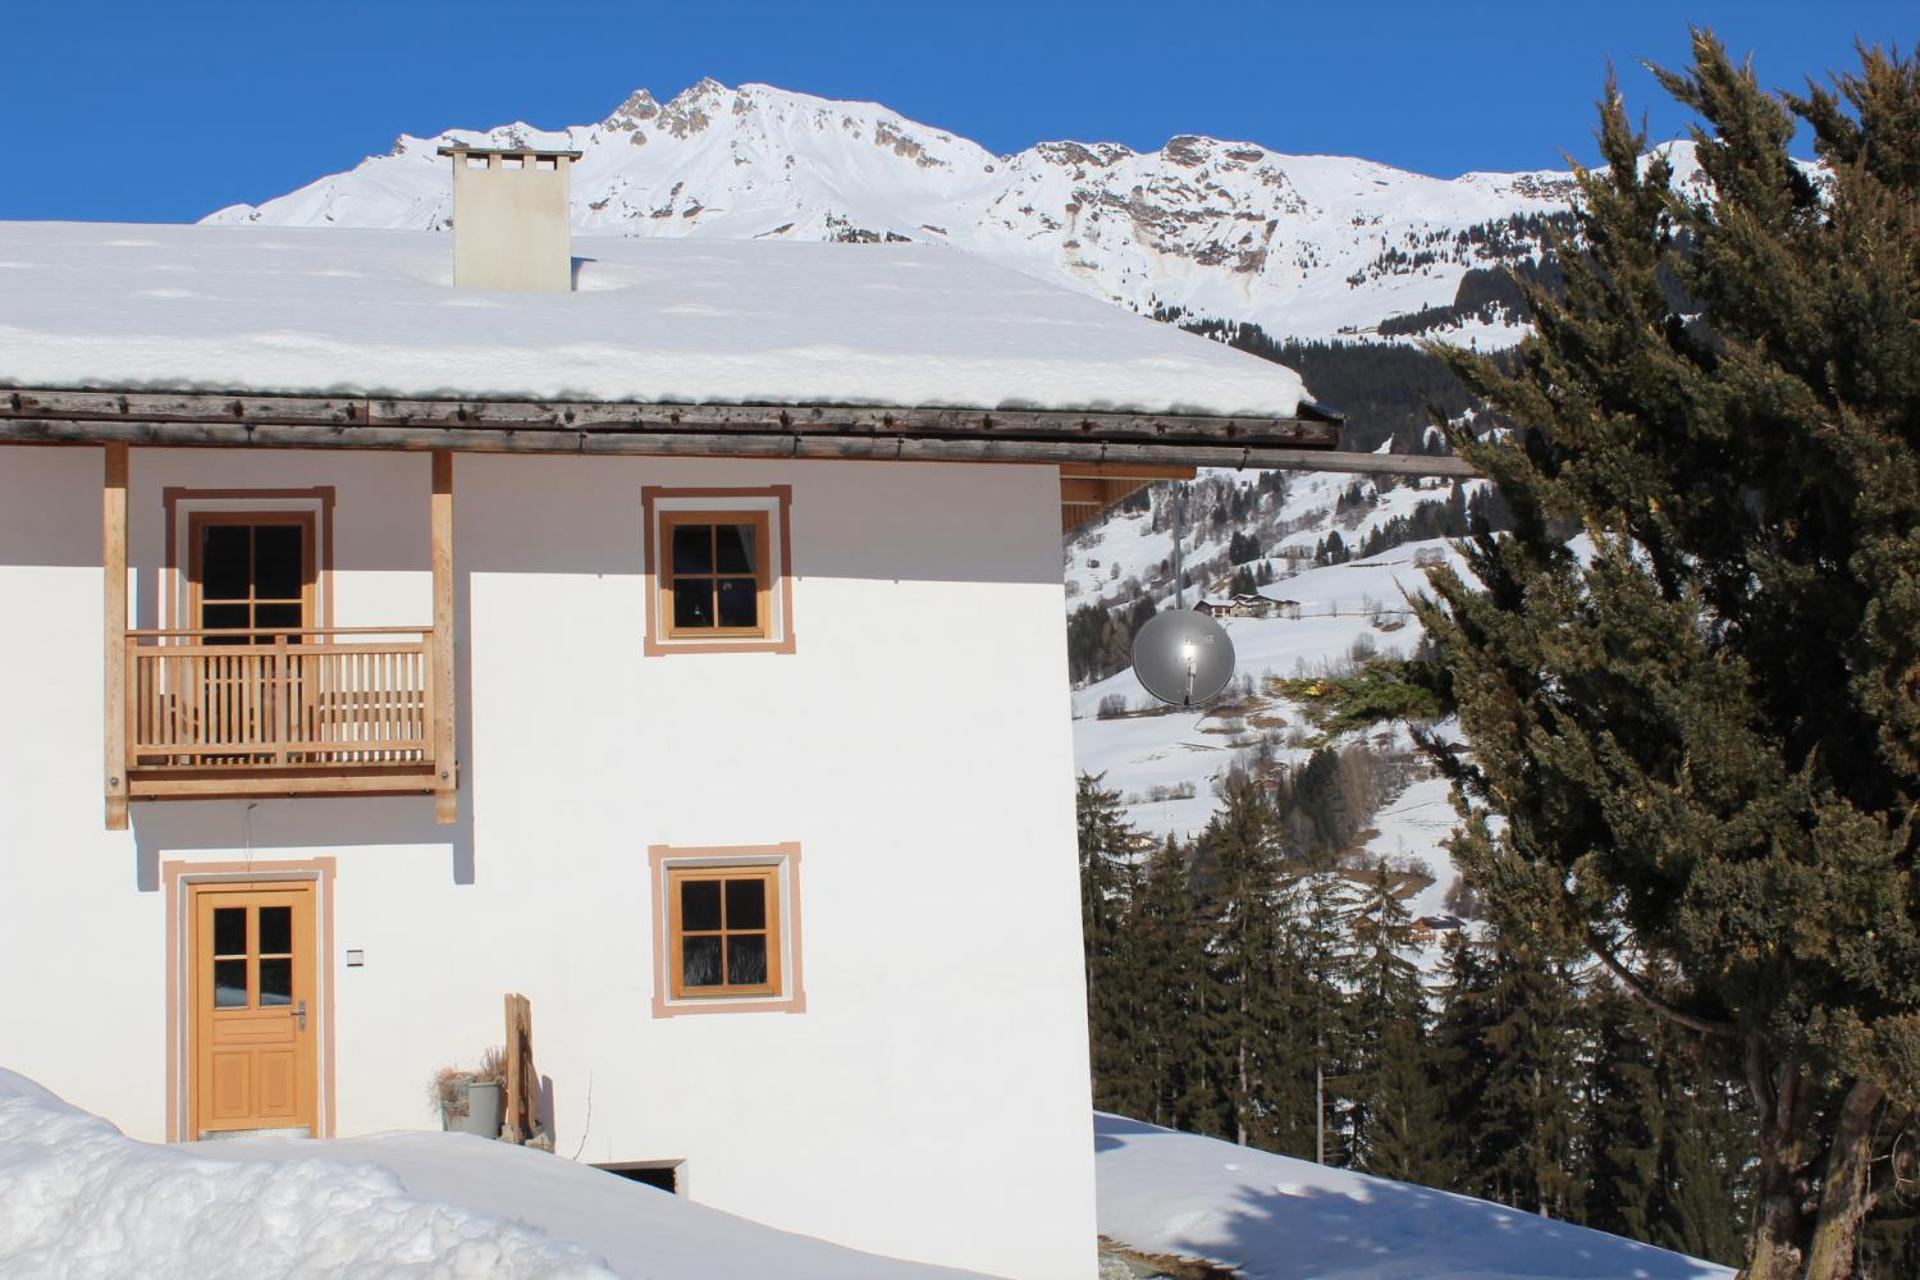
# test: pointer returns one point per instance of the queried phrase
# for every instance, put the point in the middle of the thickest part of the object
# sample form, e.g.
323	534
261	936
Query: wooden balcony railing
308	710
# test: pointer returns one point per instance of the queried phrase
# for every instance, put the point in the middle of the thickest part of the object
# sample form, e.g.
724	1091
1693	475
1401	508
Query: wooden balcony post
446	800
113	559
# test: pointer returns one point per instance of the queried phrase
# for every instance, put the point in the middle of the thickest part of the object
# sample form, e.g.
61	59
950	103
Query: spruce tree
1393	1113
1239	869
1168	948
1322	970
1703	732
1109	876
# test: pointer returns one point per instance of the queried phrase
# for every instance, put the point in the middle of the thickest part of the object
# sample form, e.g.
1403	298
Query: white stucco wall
932	1100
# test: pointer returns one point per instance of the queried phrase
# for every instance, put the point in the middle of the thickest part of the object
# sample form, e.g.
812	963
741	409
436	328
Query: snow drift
1277	1218
78	1199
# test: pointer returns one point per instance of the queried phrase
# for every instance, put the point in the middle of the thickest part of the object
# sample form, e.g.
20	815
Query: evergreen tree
1321	962
1109	878
1393	1114
1704	735
1239	869
1169	950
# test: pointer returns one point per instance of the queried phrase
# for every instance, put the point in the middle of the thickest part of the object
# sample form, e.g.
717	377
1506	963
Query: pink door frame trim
175	876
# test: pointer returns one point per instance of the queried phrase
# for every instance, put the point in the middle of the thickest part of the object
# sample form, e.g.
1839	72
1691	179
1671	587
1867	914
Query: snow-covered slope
79	1200
1305	246
1276	1218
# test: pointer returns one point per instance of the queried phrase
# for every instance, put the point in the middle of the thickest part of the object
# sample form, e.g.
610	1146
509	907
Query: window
252	571
718	568
726	929
715	580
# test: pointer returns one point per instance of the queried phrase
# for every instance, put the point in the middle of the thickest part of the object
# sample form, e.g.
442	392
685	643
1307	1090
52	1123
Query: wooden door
253	571
255	1022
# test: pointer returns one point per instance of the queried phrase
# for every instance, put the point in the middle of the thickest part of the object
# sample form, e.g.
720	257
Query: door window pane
276	615
699	904
217	616
747	904
276	982
230	931
278	567
276	932
747	960
229	984
224	560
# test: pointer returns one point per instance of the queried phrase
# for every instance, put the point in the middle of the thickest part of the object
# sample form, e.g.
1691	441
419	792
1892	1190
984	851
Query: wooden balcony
282	712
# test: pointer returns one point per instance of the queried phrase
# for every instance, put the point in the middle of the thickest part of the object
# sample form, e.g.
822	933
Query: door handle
300	1012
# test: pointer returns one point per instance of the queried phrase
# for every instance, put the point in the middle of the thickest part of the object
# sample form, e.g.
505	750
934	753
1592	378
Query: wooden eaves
1121	451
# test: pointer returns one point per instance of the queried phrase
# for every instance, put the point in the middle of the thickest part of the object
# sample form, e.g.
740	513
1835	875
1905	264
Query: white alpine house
385	647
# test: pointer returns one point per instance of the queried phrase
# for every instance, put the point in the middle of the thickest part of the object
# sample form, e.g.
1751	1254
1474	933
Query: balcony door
251	571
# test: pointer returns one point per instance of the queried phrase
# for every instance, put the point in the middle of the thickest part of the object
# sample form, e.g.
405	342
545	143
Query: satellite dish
1183	657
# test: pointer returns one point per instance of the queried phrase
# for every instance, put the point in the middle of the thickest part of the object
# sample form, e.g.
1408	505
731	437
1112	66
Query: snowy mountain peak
638	108
1304	246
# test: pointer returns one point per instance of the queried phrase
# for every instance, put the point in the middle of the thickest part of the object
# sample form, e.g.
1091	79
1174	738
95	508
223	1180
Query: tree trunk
1844	1198
1774	1246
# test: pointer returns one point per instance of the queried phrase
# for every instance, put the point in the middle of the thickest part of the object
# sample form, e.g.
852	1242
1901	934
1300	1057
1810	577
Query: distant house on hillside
1241	605
1428	929
403	622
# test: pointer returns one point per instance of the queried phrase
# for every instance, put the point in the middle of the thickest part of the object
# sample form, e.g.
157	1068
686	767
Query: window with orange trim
723	931
715	577
719	568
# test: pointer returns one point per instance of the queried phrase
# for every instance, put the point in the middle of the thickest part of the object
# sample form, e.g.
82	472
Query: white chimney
510	225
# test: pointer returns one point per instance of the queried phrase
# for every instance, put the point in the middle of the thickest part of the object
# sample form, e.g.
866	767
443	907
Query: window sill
657	647
796	1003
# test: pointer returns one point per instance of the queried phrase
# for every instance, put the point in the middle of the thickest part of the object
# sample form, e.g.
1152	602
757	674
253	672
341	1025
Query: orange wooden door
255	1021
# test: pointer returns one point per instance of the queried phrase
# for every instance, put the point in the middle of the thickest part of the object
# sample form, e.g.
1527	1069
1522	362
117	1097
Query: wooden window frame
306	521
767	875
768	508
761	522
779	866
181	504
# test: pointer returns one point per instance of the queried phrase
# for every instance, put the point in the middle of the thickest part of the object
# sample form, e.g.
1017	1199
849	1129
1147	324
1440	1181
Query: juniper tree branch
1641	991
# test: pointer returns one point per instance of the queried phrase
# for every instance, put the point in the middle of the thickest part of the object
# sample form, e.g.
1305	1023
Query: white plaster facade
931	1101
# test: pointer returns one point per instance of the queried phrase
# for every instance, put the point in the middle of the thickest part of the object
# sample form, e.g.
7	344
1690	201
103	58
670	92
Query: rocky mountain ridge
1307	247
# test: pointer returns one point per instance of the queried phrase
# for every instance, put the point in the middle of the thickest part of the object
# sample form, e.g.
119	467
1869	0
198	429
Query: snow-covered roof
278	310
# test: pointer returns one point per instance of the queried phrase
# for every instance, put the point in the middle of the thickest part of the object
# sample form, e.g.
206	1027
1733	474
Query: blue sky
166	111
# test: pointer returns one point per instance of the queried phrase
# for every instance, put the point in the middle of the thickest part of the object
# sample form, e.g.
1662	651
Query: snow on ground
1277	1218
1411	826
252	308
1340	605
79	1200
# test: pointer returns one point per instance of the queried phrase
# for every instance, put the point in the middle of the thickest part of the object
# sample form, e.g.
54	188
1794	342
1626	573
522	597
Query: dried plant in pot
471	1101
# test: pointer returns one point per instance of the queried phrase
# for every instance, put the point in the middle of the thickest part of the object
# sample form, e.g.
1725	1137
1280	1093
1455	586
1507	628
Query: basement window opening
661	1175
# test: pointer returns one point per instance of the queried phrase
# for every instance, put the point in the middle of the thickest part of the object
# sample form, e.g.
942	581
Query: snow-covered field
80	1200
1275	1218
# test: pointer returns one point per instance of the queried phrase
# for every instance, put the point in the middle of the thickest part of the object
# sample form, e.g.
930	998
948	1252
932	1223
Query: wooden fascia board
901	448
618	418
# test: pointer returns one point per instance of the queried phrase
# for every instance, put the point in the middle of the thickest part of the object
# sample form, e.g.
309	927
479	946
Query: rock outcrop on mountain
1307	247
